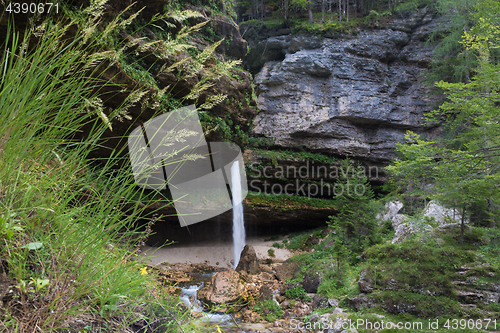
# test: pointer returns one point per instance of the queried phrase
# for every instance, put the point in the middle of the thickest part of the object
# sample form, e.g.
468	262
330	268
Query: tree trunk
309	9
323	8
490	213
340	11
462	226
347	10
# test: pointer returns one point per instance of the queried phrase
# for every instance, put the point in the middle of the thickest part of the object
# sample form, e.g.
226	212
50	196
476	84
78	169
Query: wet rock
300	309
266	277
248	261
244	276
249	316
266	268
226	287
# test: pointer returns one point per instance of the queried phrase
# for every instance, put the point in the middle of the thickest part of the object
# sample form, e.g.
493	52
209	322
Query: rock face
248	261
349	95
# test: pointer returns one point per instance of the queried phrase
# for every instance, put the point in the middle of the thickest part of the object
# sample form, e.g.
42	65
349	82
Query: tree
285	6
355	223
451	60
464	165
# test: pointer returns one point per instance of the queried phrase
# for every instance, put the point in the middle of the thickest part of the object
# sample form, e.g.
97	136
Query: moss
415	265
288	201
422	306
276	155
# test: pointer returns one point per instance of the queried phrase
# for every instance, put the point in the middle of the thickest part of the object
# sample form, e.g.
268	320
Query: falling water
238	223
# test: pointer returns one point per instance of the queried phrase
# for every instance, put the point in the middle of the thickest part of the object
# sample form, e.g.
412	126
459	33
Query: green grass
67	249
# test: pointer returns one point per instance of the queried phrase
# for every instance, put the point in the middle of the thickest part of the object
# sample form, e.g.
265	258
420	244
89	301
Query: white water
189	297
238	223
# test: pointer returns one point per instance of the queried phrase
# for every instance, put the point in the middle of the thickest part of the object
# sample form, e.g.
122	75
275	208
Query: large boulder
441	214
248	261
225	287
287	270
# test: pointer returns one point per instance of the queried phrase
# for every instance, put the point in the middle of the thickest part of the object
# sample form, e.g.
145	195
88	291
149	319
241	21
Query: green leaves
33	245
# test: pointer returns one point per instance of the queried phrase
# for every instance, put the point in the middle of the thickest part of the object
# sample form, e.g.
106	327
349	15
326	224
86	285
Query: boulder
287	270
266	293
441	214
227	28
225	287
391	210
248	261
364	285
320	301
311	282
404	230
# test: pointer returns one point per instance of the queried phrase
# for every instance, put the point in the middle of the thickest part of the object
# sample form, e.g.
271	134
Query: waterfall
238	223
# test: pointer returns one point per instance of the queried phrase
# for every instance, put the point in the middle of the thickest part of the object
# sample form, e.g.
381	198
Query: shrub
296	292
270	310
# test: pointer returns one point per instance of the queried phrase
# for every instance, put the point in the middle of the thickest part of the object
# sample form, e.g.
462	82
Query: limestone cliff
346	95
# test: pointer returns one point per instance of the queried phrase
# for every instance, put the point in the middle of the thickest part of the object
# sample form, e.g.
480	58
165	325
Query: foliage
286	201
453	61
270	310
296	292
281	154
66	242
355	223
278	245
462	166
374	18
